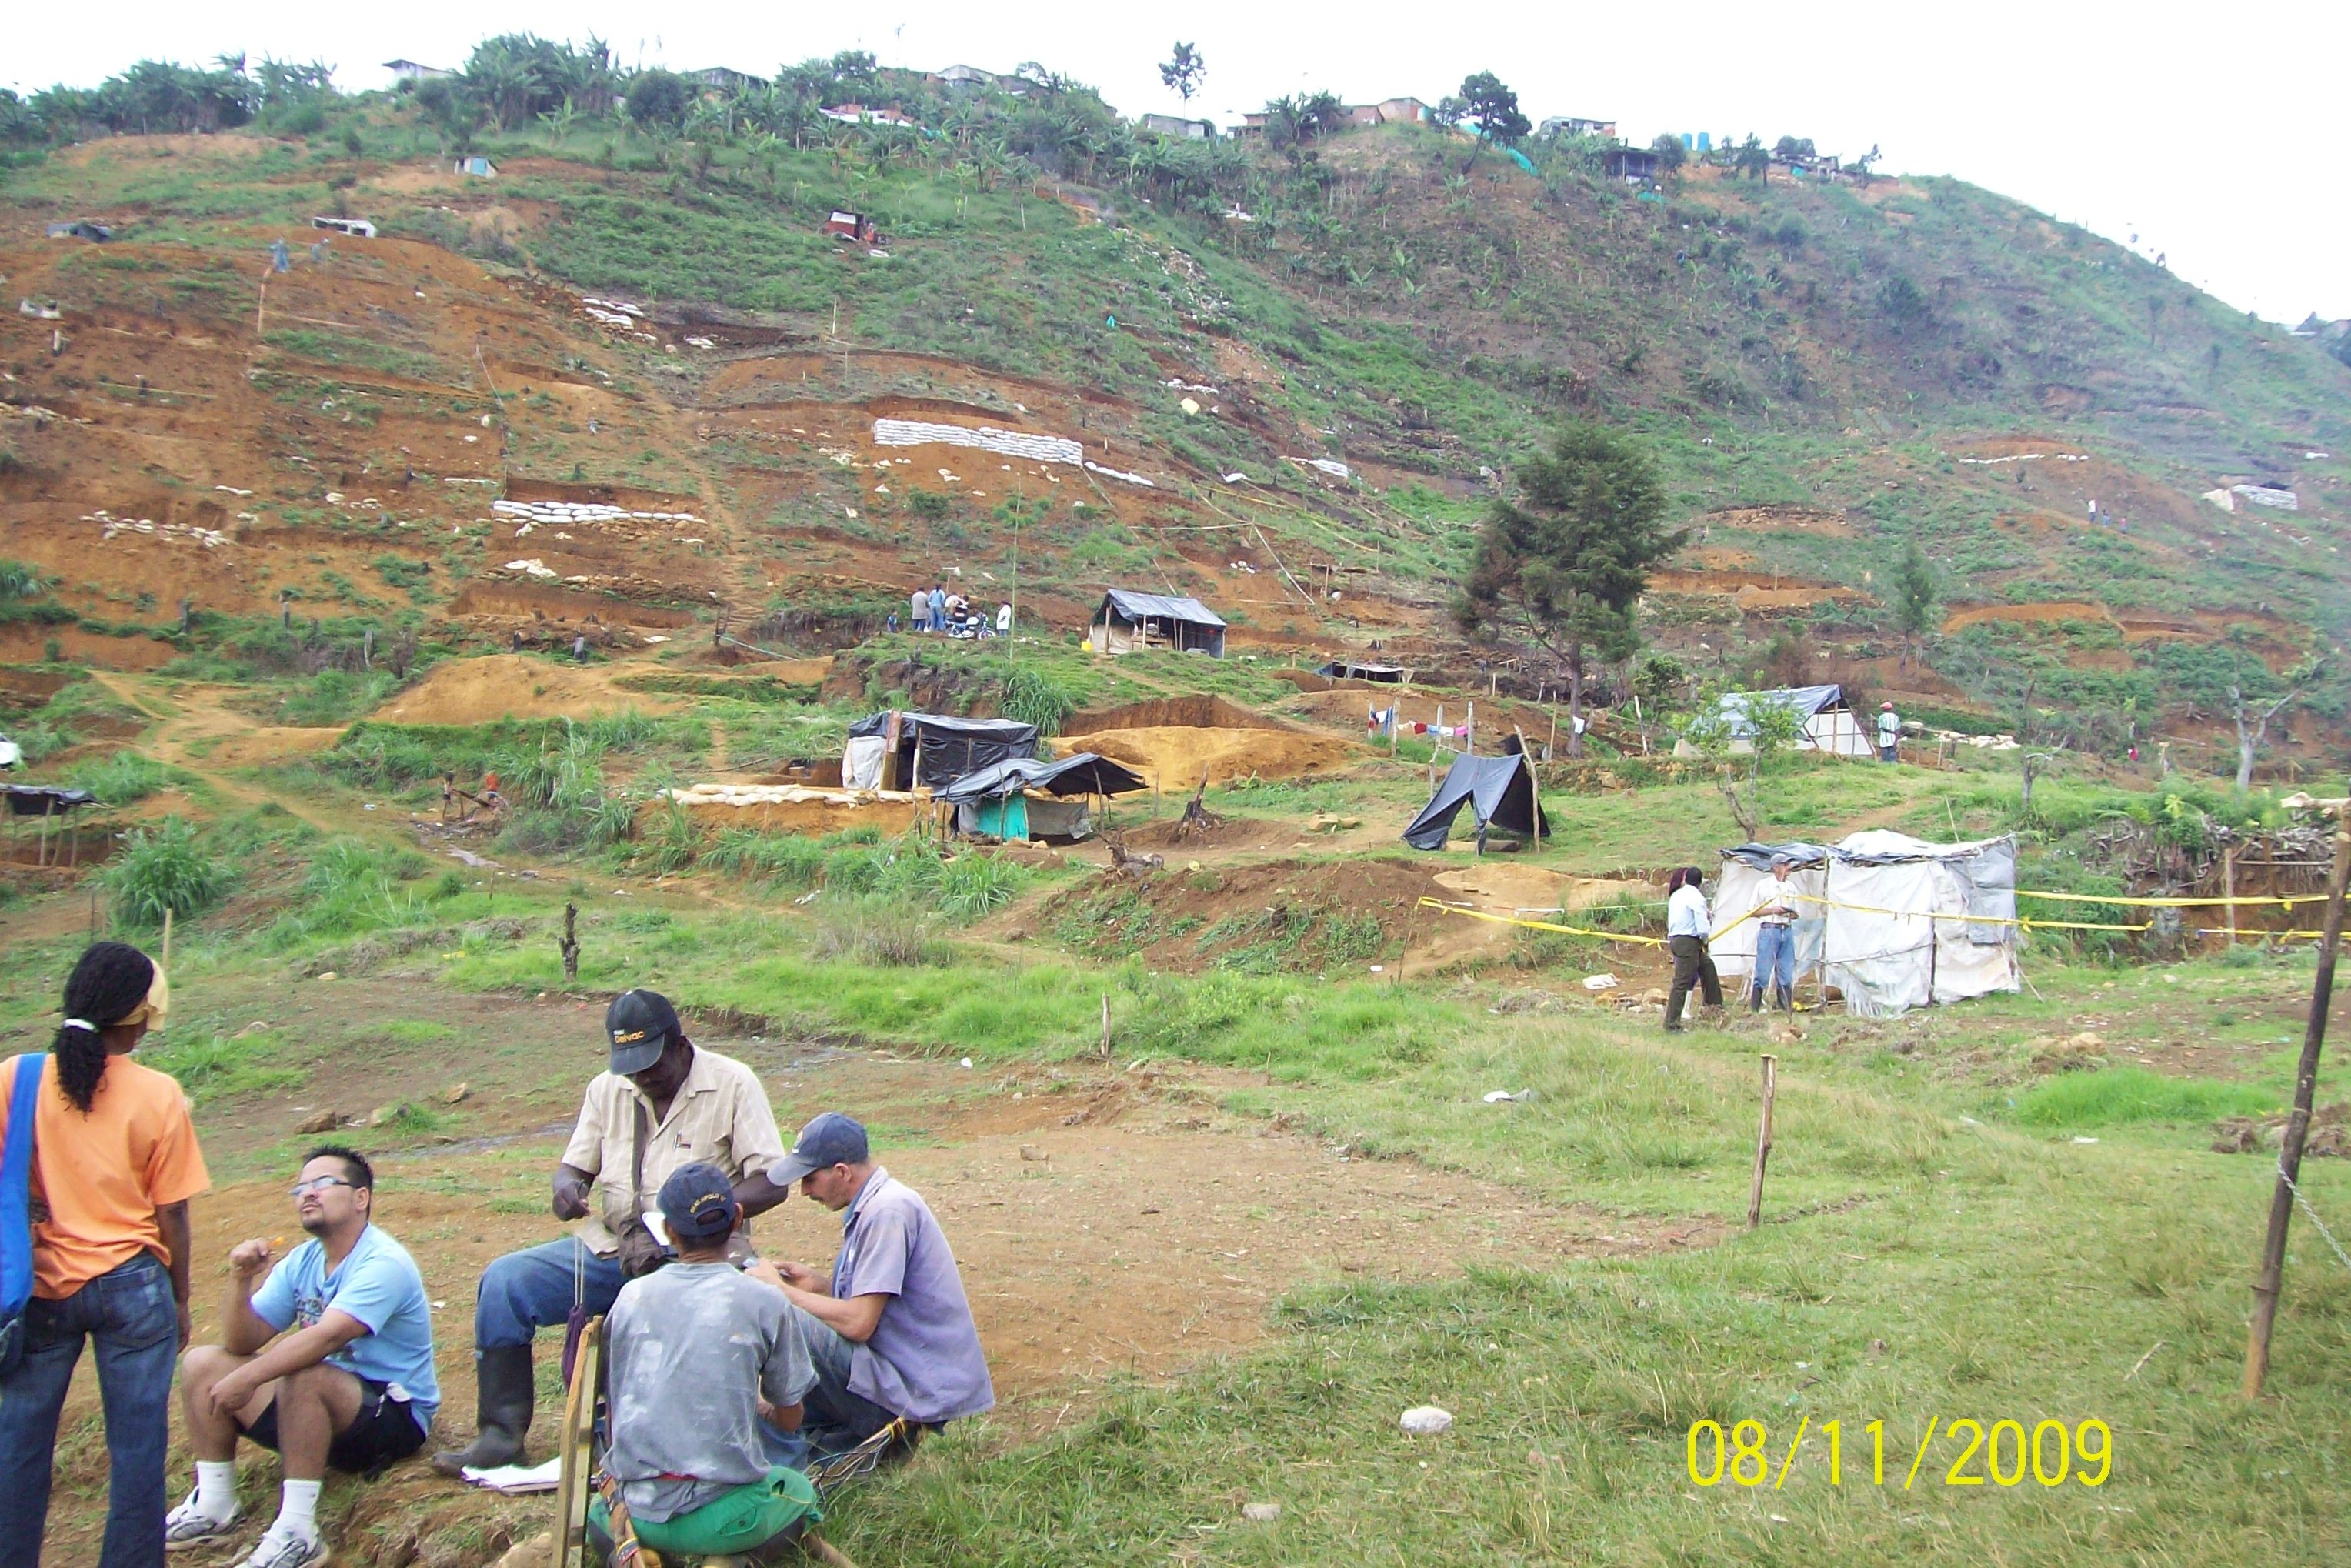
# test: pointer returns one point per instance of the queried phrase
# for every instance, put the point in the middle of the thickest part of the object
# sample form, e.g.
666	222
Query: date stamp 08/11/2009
2001	1453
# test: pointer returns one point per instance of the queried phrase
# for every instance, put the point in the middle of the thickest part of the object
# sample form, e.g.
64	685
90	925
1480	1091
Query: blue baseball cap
830	1139
697	1202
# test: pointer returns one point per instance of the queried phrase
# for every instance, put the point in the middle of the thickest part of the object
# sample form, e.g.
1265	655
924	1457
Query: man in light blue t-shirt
351	1387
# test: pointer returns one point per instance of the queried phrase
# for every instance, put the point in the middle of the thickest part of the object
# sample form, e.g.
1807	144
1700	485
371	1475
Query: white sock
298	1513
216	1489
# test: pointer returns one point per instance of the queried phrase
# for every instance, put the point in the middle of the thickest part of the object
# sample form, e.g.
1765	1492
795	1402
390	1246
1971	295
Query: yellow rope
1439	904
2170	902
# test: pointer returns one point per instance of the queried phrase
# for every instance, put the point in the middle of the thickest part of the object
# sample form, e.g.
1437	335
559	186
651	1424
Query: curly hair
109	981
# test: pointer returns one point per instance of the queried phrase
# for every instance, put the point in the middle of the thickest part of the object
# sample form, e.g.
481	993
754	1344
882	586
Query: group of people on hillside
947	614
1689	931
728	1375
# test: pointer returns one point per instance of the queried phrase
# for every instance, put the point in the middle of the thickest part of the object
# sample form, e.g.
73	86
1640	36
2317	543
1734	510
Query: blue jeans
1775	964
131	1316
832	1419
525	1291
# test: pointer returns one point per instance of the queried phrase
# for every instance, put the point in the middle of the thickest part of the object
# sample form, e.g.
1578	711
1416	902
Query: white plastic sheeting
988	438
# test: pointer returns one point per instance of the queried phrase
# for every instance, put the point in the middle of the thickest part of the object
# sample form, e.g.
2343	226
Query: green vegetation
164	868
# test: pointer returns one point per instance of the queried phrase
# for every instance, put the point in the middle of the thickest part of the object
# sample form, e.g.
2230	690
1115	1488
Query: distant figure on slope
1004	619
1889	732
939	607
918	612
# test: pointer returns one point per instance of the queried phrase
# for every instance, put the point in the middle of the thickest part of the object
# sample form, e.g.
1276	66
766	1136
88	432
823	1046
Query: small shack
476	165
1500	792
915	750
1629	163
357	228
1828	722
1003	799
1128	620
855	227
80	228
1908	922
1745	884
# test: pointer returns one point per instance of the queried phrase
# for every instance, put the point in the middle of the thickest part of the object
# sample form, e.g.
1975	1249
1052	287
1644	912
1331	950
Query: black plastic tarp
1499	790
1351	670
46	799
1084	774
936	749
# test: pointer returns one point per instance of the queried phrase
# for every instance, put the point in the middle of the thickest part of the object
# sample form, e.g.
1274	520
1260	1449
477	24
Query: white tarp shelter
1746	883
1829	723
1891	921
1909	923
1127	621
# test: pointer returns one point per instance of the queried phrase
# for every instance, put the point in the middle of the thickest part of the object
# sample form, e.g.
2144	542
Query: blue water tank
1705	142
1685	140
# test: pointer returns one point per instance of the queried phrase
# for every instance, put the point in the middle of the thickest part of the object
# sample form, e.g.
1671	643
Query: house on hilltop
724	79
1388	111
1560	125
971	79
409	71
1179	129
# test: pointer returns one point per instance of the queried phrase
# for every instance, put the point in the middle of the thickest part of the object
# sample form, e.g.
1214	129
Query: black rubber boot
505	1404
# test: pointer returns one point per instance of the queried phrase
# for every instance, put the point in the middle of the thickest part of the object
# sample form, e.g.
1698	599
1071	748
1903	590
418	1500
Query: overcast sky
2212	135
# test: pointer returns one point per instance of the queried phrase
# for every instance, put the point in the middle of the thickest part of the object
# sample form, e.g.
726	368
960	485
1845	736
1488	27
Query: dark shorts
384	1432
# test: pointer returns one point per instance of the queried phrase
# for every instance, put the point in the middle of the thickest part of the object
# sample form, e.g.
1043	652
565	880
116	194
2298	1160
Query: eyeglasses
316	1184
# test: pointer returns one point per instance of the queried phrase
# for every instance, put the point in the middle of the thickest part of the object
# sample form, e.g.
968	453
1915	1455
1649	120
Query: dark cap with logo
697	1202
830	1139
641	1025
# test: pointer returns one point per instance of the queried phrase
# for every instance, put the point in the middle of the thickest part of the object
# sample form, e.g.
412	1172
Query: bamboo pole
1436	740
2298	1127
1763	1142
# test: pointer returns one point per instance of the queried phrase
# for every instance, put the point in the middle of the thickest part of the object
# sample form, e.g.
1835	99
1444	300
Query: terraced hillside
626	387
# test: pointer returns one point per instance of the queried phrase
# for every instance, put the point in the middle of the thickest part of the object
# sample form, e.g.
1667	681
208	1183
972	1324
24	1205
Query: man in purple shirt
890	1333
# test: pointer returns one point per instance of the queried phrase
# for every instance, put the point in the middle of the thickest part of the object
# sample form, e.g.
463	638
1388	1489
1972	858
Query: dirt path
196	730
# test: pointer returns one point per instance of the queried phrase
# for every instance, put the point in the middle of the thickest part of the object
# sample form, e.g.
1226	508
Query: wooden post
41	848
1534	783
1105	1039
2229	887
1469	732
1436	740
1762	1141
167	939
570	944
2297	1126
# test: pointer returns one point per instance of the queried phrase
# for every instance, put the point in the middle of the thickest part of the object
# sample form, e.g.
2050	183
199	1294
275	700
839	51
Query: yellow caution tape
2171	903
1439	904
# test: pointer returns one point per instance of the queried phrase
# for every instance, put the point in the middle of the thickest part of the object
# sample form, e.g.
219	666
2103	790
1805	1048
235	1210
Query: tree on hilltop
1565	563
1670	152
1183	72
1492	108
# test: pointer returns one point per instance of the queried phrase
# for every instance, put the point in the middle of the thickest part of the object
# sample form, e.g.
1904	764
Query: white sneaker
277	1550
188	1525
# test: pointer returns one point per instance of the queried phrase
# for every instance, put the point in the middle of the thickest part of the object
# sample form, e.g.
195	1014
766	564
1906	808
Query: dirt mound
1167	712
509	686
1232	833
1969	615
1300	915
1177	757
813	813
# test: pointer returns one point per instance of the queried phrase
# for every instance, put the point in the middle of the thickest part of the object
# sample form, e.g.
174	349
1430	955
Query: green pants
738	1521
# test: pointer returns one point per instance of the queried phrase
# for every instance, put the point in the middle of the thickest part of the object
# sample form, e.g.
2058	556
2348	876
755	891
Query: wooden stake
1436	740
1106	1043
167	939
1763	1142
2297	1126
570	944
2229	887
1534	783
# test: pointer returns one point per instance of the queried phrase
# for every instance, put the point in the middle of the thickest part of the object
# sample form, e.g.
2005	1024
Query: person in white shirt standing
1889	732
1775	942
1686	931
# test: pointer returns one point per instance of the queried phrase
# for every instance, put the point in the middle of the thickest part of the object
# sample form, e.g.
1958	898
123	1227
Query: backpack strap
16	1184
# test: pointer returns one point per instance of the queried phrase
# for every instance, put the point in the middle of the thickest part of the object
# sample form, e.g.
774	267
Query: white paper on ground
518	1479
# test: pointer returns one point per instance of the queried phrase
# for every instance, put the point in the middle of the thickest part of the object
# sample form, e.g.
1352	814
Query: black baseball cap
641	1025
697	1202
830	1139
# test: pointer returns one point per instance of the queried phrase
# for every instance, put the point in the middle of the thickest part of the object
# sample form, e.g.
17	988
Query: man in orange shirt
115	1163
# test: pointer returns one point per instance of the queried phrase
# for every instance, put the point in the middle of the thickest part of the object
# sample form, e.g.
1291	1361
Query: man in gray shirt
890	1333
699	1356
